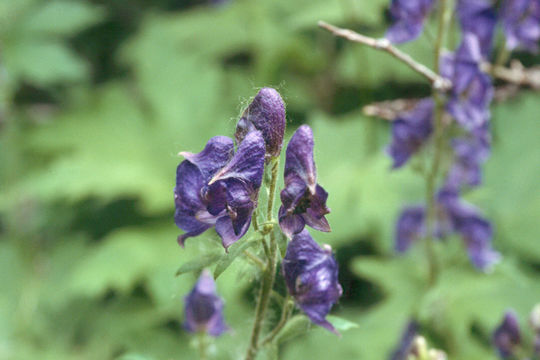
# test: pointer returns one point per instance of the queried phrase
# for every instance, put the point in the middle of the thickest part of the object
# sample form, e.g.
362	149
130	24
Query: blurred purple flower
470	153
521	24
303	200
217	188
475	230
472	91
266	113
479	18
204	308
507	335
410	227
403	349
408	17
311	275
409	132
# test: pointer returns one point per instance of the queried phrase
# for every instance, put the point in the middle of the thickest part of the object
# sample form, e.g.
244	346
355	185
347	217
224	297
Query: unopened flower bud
266	113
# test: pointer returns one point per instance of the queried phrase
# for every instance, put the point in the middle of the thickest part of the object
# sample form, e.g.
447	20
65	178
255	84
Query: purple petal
217	152
410	131
299	157
410	227
479	18
507	336
247	163
290	224
409	17
521	24
311	275
266	113
225	229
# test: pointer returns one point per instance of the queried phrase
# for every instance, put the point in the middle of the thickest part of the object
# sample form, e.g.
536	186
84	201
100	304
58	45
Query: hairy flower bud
266	113
507	335
311	275
204	308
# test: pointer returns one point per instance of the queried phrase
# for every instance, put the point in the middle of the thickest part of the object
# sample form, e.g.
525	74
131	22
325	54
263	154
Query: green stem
285	313
269	274
255	259
438	135
203	345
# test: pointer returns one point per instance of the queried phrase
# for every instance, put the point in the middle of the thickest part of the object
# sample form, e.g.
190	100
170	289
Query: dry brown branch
437	81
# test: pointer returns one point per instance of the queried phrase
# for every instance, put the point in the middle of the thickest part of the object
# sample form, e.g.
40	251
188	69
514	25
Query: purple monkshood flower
475	230
507	335
204	308
408	17
410	131
266	113
218	188
453	216
479	18
311	275
470	153
403	349
472	91
303	200
521	24
410	227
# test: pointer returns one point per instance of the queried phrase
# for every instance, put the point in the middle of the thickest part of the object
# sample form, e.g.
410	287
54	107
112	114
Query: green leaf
61	17
234	251
341	324
296	326
200	263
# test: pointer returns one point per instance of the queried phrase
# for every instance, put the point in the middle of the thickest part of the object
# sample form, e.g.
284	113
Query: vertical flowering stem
202	343
438	135
269	274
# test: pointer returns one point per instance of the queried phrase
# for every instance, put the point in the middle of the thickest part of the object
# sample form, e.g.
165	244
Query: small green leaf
199	264
296	326
340	323
235	250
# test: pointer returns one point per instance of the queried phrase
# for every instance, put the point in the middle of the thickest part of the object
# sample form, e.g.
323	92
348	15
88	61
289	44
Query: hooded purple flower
204	308
403	349
507	335
479	18
217	188
409	227
521	24
266	113
475	230
303	200
410	131
311	275
472	91
408	17
470	153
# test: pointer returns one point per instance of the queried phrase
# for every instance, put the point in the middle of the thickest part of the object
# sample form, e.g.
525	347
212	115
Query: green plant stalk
438	142
203	345
270	273
285	313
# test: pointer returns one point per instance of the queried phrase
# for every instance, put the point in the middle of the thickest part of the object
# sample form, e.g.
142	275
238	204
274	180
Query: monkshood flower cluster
219	188
467	103
508	339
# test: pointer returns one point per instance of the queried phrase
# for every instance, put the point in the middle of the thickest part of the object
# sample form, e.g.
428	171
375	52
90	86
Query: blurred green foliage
96	100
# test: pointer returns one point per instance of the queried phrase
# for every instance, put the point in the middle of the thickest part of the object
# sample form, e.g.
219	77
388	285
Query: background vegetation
96	99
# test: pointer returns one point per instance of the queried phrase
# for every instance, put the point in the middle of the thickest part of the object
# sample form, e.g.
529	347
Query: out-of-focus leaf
236	249
200	263
296	326
61	17
43	62
341	324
